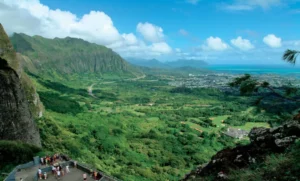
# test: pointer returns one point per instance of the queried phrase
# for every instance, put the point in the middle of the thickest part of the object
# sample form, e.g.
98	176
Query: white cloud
161	47
192	1
130	39
150	32
272	41
242	44
33	18
215	43
246	5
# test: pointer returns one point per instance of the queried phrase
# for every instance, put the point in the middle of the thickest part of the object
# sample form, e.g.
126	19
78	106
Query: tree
291	56
247	84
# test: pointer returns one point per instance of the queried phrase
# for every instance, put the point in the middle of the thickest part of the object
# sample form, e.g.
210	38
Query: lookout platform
28	172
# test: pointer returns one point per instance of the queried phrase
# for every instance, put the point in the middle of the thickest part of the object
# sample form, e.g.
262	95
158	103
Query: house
236	133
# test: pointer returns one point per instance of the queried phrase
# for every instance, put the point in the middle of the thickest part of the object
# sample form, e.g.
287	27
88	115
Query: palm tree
290	56
247	84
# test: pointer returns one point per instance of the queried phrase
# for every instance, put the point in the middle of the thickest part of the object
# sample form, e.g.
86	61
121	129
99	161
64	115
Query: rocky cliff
19	102
264	141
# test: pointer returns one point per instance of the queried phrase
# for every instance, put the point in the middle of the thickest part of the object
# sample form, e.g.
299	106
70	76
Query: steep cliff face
19	102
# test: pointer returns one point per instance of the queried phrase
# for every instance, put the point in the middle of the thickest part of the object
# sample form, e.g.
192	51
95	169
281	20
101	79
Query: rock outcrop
263	141
19	102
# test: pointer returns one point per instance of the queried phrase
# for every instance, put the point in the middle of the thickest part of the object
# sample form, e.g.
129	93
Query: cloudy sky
218	31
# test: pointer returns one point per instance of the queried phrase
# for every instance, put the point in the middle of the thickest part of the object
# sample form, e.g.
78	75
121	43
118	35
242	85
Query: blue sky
220	32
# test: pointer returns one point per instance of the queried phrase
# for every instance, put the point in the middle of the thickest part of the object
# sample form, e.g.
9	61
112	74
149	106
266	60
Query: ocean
287	70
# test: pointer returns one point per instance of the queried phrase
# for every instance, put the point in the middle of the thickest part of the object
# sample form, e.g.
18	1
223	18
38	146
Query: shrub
15	152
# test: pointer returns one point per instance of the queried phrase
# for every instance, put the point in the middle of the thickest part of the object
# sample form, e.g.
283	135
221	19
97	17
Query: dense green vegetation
136	129
13	153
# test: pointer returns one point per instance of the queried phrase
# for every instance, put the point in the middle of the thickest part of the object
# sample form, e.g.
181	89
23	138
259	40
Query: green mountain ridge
69	56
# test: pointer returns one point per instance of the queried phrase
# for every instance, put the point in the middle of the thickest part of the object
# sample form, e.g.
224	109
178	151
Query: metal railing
12	175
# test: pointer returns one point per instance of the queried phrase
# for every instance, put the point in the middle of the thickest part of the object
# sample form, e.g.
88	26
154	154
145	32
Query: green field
137	129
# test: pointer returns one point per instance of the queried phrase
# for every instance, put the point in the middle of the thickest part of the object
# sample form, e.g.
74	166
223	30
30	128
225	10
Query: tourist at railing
42	160
53	170
45	175
67	169
58	173
75	164
95	175
40	173
84	176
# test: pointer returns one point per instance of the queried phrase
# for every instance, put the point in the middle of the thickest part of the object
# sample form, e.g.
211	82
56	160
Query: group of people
42	175
49	160
94	174
58	171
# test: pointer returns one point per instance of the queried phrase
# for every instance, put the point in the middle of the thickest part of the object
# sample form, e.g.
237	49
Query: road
90	90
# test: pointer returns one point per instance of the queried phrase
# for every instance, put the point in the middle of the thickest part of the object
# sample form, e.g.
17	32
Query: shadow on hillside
63	88
60	104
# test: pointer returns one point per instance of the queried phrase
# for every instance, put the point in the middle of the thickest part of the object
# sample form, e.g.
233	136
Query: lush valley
173	90
140	129
132	123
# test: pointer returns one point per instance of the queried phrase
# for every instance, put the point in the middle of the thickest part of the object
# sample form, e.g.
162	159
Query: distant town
221	80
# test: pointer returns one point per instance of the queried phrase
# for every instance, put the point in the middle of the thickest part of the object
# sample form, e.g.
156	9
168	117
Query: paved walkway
74	175
28	173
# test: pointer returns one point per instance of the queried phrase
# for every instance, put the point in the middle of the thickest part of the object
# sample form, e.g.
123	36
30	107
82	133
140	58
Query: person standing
84	176
53	169
58	174
42	160
45	175
62	172
95	175
75	164
40	173
67	169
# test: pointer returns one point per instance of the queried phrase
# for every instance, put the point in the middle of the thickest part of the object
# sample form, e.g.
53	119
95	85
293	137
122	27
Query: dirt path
137	78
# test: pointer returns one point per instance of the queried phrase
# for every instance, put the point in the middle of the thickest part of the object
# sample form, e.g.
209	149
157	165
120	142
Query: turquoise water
257	69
